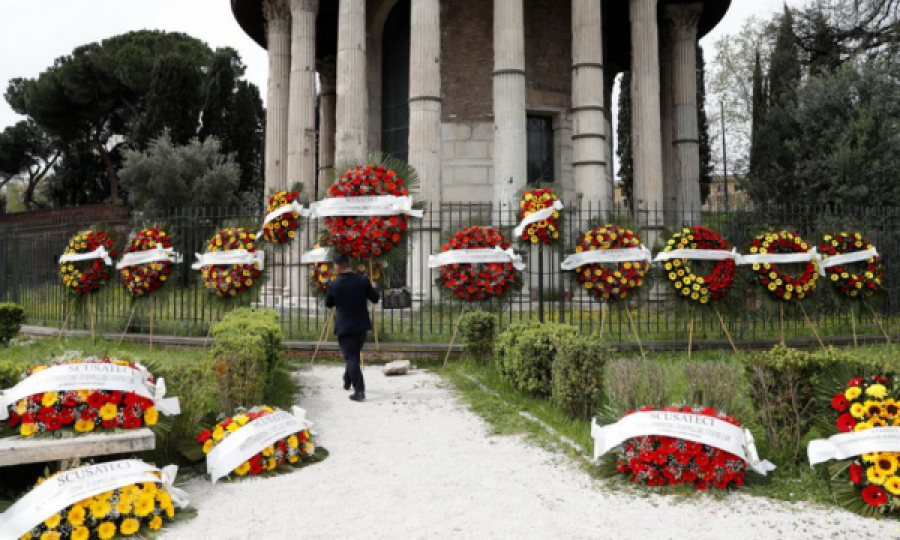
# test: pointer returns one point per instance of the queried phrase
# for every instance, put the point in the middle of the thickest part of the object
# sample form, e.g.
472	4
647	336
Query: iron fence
29	276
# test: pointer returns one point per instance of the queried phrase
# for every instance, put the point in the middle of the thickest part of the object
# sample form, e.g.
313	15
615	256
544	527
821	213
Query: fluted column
682	21
667	111
646	141
352	137
510	116
327	110
425	97
302	104
589	137
278	39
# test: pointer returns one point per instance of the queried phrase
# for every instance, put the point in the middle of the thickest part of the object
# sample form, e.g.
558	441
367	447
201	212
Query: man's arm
329	297
373	293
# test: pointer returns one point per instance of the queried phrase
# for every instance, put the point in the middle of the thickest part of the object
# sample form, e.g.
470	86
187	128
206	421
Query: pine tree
624	150
173	101
246	132
706	162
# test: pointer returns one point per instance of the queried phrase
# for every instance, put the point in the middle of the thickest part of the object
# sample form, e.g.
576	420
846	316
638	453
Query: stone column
682	21
278	39
673	213
425	128
510	115
302	105
646	141
327	111
588	105
352	134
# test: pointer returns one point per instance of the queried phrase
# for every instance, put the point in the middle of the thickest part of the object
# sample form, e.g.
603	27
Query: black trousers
351	344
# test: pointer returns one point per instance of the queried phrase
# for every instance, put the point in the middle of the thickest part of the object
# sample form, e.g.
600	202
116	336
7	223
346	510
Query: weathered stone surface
17	451
398	367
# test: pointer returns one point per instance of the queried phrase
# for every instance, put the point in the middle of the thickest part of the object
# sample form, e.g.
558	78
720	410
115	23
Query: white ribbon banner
476	256
228	258
846	258
779	258
383	205
293	208
606	256
90	376
698	255
99	253
540	215
690	427
251	439
857	443
315	256
72	486
158	254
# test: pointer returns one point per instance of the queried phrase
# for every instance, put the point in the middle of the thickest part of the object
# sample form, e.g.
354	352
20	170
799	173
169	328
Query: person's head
342	263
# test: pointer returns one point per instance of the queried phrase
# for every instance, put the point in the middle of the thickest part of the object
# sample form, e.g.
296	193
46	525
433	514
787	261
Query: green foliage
706	160
624	151
782	384
248	357
528	363
173	101
29	151
11	318
577	376
167	176
477	330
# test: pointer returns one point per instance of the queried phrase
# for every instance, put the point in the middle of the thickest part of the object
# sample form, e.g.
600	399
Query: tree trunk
110	171
34	179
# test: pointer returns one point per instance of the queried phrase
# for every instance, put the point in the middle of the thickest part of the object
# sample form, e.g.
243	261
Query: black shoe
358	397
346	384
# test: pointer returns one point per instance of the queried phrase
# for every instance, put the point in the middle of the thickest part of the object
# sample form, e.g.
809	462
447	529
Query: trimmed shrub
577	377
477	329
11	318
528	364
247	356
506	342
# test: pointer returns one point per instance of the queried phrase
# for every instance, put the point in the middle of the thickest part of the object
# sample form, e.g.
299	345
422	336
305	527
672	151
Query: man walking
348	293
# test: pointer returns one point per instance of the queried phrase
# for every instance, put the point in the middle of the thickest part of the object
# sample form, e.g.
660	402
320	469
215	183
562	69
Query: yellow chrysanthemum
218	433
81	533
51	535
108	411
151	416
145	504
28	429
208	446
155	524
125	506
49	399
52	522
76	516
84	426
232	427
852	393
243	469
893	485
164	498
875	476
100	509
876	390
292	441
130	526
268	451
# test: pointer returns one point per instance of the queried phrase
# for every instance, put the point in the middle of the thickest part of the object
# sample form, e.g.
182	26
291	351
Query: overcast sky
33	33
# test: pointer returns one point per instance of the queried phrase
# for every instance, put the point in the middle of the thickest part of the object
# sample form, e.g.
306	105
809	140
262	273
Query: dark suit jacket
349	292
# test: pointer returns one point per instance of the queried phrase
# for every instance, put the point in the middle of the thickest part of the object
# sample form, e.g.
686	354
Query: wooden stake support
781	309
152	309
691	335
811	325
725	329
65	324
453	339
92	307
853	327
634	329
128	324
324	335
878	320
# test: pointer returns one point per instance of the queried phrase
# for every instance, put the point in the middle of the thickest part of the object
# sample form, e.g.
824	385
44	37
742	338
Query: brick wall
548	53
67	218
467	60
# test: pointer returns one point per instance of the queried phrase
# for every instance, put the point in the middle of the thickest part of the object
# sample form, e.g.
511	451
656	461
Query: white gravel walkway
413	462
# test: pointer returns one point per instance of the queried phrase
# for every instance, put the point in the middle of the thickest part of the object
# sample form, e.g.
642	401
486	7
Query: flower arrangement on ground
665	461
779	284
681	273
611	281
145	279
229	279
84	410
282	217
542	203
860	284
86	263
479	281
290	450
868	484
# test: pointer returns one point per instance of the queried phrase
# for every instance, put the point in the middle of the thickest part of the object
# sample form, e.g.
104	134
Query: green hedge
11	318
526	352
478	331
578	376
248	357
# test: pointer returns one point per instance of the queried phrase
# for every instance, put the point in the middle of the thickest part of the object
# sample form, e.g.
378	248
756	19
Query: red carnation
14	419
96	400
856	473
874	496
840	403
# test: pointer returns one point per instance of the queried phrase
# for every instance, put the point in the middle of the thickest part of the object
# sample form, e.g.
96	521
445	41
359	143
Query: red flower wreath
852	284
714	286
86	277
371	236
147	278
229	280
665	461
477	283
780	285
615	281
282	230
321	273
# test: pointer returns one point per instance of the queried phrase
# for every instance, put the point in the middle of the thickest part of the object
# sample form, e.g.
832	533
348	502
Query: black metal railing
29	275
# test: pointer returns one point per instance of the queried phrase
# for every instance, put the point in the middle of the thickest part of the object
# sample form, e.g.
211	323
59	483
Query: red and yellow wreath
478	282
544	204
82	275
321	273
862	283
282	217
229	279
367	237
686	282
780	285
614	281
147	278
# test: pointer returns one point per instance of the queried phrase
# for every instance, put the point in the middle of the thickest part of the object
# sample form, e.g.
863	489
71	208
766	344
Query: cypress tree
624	150
706	165
758	114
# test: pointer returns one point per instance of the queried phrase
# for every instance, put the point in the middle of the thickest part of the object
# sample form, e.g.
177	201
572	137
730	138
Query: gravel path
413	462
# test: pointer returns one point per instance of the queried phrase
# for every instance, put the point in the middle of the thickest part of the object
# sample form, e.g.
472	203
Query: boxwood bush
578	373
11	318
526	358
478	331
